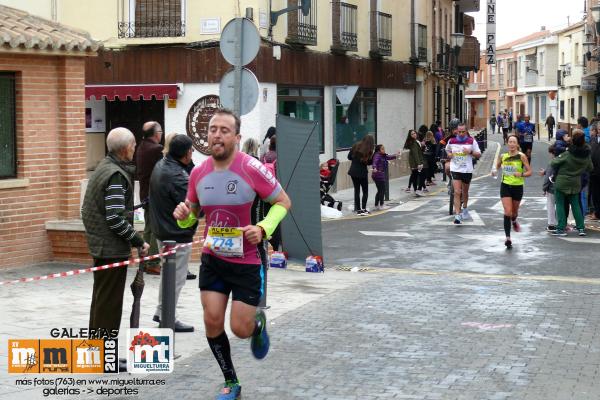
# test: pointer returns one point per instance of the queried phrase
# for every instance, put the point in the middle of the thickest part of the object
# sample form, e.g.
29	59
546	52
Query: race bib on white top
459	160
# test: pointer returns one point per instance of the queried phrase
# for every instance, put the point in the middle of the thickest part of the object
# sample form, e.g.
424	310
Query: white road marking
449	220
410	205
445	206
585	240
383	233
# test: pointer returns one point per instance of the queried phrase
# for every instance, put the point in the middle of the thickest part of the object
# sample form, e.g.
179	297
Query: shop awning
135	92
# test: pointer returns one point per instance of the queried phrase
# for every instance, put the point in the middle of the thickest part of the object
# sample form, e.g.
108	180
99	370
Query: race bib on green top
509	169
225	241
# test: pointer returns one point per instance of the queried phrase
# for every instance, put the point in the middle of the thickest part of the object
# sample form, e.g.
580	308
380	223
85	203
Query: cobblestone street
408	336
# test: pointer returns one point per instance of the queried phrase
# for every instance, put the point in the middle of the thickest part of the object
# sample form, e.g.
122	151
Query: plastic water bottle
495	173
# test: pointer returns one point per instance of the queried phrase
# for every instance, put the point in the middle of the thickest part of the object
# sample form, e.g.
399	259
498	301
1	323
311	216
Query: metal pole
387	184
167	319
237	84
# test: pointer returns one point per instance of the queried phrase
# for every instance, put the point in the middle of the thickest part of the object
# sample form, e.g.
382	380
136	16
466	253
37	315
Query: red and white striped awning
134	92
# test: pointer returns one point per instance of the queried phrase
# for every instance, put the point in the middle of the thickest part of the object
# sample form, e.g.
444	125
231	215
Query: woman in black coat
361	156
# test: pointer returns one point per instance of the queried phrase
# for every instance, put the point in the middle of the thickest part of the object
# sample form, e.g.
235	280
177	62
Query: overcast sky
518	18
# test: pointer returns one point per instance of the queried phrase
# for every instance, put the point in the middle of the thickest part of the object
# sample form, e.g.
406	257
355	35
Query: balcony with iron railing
151	18
441	63
302	30
420	32
477	87
344	25
381	34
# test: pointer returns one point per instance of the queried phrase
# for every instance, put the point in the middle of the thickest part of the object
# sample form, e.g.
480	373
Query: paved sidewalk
31	310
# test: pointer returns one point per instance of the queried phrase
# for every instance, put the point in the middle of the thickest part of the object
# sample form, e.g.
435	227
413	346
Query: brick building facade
42	131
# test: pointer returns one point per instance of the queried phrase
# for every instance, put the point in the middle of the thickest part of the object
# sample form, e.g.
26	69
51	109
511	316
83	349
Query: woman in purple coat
380	166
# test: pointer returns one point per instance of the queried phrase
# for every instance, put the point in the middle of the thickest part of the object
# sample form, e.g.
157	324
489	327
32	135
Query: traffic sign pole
237	89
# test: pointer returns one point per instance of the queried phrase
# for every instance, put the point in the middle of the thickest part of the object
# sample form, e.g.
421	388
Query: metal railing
303	29
348	24
381	34
151	18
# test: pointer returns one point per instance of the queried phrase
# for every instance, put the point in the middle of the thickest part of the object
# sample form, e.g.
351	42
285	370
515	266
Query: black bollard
167	319
387	185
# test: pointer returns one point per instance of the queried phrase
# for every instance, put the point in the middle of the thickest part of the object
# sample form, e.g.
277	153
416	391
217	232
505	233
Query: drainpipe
413	59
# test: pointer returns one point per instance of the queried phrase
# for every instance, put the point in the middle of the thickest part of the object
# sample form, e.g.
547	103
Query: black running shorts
513	191
463	177
244	281
526	146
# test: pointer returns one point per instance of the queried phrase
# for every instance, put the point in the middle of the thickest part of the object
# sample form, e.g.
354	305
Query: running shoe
465	214
260	341
508	243
366	212
407	190
516	226
551	228
419	193
457	219
231	391
559	232
426	190
582	232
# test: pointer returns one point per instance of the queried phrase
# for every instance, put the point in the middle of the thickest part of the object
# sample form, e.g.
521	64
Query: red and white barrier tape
102	267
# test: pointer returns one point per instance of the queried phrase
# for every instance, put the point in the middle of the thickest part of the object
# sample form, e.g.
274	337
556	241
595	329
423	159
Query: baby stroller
328	174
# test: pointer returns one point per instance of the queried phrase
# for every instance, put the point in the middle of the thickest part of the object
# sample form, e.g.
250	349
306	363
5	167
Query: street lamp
588	46
458	39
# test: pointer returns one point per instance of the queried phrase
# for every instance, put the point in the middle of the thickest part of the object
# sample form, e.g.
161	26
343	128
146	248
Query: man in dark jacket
149	152
550	123
595	174
107	214
168	187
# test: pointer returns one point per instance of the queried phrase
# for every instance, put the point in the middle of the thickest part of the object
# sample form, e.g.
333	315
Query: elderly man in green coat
569	167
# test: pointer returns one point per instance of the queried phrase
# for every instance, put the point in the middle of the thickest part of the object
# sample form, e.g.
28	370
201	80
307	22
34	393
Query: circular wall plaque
197	120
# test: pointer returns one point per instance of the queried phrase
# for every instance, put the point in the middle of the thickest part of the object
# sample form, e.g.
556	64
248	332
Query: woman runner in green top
515	167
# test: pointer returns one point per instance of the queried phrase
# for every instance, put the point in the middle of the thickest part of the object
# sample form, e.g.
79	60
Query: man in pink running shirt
224	187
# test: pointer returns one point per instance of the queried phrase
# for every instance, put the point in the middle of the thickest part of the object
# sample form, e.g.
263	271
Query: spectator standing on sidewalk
264	147
107	214
168	187
595	174
429	154
269	159
550	123
548	188
415	162
148	153
361	156
499	122
380	167
571	165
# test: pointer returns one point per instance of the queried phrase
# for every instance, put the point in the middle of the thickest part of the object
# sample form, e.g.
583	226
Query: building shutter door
7	126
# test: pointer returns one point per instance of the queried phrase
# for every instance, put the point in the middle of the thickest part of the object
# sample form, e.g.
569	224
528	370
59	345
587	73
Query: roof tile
20	29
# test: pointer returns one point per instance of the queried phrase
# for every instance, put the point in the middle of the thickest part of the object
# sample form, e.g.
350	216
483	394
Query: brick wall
50	153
